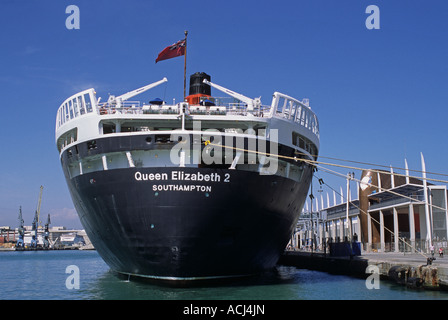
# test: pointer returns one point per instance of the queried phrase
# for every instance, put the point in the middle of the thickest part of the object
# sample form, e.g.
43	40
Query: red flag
175	50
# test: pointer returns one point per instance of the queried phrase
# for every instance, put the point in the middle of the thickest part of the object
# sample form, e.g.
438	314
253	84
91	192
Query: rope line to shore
319	164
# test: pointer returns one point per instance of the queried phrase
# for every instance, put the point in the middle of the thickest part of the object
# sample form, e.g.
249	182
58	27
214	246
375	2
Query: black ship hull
188	223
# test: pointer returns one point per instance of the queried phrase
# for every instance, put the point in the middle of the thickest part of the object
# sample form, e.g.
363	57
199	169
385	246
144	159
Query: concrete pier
406	269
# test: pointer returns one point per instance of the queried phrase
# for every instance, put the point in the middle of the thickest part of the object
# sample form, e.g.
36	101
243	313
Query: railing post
274	104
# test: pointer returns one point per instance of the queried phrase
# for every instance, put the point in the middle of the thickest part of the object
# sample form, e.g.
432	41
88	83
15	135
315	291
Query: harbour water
35	275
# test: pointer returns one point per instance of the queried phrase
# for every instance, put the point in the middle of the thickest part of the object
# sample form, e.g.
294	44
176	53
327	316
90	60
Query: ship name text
181	176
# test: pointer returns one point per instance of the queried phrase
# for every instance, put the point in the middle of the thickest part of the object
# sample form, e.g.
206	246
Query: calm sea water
42	275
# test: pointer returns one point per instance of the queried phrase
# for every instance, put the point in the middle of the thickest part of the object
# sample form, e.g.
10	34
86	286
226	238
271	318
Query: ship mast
185	64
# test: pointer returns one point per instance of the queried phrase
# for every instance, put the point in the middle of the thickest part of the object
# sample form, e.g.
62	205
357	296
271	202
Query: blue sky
380	95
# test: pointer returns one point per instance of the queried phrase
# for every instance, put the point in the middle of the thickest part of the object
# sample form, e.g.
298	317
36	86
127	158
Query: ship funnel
197	86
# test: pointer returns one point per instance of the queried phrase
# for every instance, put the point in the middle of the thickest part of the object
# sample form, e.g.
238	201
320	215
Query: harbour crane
34	231
20	242
36	221
46	238
38	206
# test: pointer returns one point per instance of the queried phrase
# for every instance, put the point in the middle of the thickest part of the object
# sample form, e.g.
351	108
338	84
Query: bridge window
88	102
304	143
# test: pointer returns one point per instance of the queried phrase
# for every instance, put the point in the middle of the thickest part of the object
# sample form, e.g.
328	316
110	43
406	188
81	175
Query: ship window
80	106
91	145
142	158
163	138
72	103
304	143
295	173
108	128
164	129
74	169
76	106
92	165
88	102
66	112
67	138
131	128
117	161
137	127
127	129
295	138
281	168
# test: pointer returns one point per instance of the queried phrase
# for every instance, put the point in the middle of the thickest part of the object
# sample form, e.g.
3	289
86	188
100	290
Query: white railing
136	108
283	106
77	105
127	107
286	107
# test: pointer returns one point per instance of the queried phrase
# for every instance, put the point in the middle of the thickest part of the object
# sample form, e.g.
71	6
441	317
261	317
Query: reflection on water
282	283
42	275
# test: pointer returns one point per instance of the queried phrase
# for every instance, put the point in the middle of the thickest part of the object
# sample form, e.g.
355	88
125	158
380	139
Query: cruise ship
209	187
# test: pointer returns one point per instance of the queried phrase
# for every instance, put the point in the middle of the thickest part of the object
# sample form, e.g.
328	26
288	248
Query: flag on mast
175	50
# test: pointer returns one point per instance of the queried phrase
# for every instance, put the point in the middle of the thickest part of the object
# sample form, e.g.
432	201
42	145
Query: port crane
34	231
38	206
46	238
36	221
21	241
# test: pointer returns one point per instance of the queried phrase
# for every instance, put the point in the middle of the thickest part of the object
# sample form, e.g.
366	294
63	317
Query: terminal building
392	213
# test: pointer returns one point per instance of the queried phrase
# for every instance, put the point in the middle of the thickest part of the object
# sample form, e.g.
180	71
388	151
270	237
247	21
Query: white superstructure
84	118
